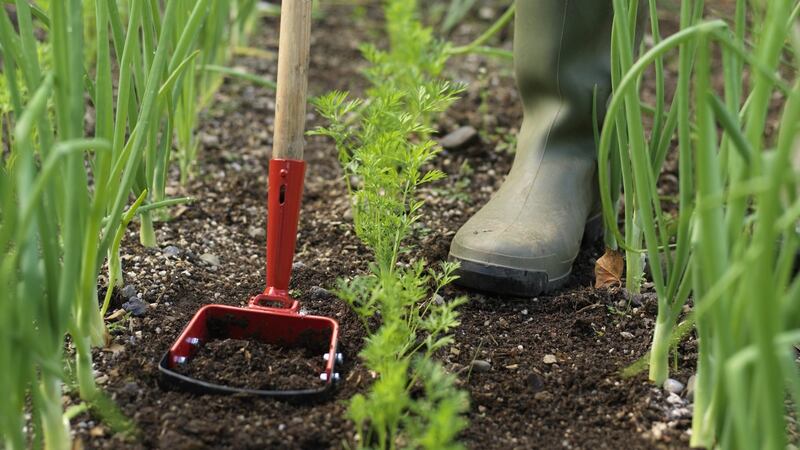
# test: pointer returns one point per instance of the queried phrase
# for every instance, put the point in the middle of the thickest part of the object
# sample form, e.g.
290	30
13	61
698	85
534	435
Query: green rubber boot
524	241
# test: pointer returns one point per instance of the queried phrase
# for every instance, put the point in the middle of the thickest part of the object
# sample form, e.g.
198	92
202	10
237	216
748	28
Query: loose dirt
255	365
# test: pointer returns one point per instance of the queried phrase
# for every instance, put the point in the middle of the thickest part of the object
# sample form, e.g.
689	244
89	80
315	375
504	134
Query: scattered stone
136	306
257	232
679	413
128	291
658	430
438	299
317	291
209	140
627	335
459	138
455	351
210	259
524	312
130	388
690	388
97	431
487	13
481	409
674	386
171	251
535	382
297	265
674	399
543	396
550	359
480	365
348	214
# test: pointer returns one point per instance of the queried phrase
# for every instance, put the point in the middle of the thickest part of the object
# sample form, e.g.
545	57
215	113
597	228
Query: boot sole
517	282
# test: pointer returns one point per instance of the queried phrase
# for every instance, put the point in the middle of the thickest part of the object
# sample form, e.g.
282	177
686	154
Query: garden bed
541	373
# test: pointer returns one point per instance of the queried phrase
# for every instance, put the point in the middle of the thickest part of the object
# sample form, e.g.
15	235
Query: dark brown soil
520	398
256	365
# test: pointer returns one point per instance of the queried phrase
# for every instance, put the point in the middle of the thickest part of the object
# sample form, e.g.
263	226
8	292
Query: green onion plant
734	248
65	187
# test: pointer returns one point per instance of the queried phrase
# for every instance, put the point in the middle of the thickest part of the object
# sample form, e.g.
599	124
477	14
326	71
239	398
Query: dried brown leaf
608	269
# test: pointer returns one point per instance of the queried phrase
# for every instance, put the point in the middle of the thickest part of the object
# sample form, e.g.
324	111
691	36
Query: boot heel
593	231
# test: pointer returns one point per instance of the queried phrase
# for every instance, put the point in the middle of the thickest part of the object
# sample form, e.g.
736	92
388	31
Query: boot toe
513	258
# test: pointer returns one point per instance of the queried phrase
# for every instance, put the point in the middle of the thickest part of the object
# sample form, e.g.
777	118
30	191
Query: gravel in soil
541	372
255	365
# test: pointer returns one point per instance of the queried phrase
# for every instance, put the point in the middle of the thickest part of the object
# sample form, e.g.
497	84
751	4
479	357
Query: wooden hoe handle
290	103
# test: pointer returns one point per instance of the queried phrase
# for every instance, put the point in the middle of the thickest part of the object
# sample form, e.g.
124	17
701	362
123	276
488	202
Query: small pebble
679	413
674	399
674	386
658	430
690	388
130	388
550	359
459	138
487	13
480	365
128	291
171	250
297	265
209	140
543	395
317	291
627	335
438	299
257	232
535	382
210	259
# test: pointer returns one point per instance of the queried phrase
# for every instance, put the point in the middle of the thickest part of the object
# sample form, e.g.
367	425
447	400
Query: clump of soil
255	365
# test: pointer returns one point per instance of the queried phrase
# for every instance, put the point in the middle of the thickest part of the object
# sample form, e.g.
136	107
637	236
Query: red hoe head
271	317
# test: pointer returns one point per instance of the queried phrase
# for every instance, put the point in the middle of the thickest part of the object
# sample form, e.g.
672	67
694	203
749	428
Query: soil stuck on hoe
268	348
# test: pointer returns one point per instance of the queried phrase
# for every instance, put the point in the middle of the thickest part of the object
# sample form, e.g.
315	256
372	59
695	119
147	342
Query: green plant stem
236	73
478	43
54	425
147	234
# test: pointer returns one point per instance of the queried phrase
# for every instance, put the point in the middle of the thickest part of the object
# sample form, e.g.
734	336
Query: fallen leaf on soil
608	269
